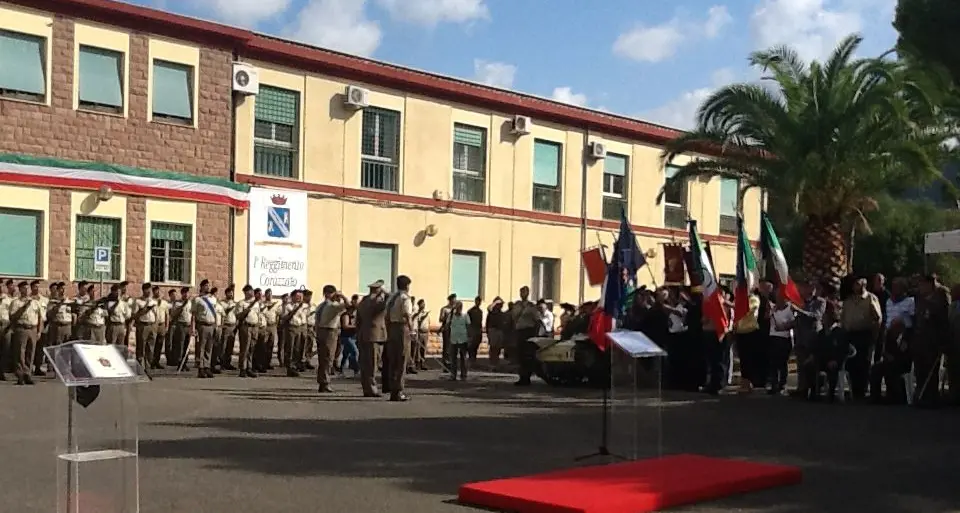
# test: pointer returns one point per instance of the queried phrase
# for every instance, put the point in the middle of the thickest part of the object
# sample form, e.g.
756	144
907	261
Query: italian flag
68	174
746	274
770	248
713	306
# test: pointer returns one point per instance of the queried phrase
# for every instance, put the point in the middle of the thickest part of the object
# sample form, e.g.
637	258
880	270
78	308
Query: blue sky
652	59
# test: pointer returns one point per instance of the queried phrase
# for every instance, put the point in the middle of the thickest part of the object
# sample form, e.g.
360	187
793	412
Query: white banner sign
278	239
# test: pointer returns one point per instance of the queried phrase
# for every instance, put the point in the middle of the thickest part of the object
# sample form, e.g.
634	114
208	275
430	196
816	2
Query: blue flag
626	250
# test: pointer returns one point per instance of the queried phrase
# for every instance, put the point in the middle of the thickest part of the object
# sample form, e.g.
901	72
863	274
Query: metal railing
675	217
728	224
612	207
546	198
378	174
269	160
468	187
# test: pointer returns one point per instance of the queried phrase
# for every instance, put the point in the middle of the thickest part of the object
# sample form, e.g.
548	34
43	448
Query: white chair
910	384
843	378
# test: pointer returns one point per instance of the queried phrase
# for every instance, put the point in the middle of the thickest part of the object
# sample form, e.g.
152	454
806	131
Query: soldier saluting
248	322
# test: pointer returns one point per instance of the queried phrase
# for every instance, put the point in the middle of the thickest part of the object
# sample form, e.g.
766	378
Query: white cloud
657	43
496	74
812	27
717	18
248	12
340	25
432	12
566	95
681	112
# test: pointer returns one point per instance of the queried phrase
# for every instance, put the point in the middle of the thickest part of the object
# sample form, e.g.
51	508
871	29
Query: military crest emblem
278	218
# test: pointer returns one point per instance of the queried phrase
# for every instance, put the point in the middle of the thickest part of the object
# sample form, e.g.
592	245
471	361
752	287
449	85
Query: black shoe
291	373
21	381
372	394
28	379
522	382
463	377
39	373
228	367
309	366
453	377
399	398
411	370
215	370
251	374
324	389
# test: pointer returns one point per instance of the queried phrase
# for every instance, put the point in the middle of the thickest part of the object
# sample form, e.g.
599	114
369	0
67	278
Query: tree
928	30
894	246
826	138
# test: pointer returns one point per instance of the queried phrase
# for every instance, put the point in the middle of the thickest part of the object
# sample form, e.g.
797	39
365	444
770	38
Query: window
94	232
172	92
170	253
546	271
466	274
546	176
101	80
377	262
614	186
675	201
469	163
23	230
380	150
276	132
23	70
729	203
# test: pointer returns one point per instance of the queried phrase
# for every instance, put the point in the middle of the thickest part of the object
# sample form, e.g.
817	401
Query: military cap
22	284
247	287
230	288
377	284
204	282
146	286
34	282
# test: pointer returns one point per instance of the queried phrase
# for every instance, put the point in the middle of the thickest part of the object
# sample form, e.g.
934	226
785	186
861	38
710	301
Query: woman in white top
782	320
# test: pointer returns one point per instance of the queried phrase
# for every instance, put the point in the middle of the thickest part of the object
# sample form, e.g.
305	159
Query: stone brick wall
62	132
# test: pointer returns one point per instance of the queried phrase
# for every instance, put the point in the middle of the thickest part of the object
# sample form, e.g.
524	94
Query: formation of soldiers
293	327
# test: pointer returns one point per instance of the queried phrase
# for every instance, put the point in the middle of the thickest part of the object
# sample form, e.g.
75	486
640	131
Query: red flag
600	324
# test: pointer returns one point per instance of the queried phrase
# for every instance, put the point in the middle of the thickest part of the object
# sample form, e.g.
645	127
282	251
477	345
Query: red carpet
633	487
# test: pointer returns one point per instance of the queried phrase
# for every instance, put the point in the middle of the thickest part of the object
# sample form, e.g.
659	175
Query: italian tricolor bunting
713	306
770	247
746	274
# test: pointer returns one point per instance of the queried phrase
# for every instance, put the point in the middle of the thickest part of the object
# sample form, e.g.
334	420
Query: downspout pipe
583	212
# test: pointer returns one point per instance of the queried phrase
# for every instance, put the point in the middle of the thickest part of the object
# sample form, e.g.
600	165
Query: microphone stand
603	450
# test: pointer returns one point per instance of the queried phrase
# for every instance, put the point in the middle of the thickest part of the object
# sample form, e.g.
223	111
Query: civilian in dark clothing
878	288
807	330
694	359
762	342
827	354
656	325
474	329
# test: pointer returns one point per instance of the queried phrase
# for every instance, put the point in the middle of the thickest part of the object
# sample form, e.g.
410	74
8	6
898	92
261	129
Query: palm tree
826	138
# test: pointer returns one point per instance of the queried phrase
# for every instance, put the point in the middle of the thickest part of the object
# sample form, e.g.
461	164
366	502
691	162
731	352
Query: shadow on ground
855	458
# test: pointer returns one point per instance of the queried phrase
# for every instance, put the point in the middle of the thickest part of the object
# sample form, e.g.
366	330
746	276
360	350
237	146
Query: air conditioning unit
521	125
246	79
356	97
598	150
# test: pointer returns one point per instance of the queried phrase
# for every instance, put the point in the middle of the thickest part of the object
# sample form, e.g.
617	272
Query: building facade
129	129
428	176
112	137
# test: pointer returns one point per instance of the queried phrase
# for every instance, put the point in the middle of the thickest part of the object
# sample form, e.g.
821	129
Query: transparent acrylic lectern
97	446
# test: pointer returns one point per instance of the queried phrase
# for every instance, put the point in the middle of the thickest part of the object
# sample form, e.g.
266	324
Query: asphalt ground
274	445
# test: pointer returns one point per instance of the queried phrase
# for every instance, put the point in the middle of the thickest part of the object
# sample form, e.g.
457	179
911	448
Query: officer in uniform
26	317
248	321
328	332
310	341
204	313
60	317
117	317
526	321
44	301
270	310
371	335
217	354
294	323
145	314
256	356
228	332
181	315
125	297
7	362
397	348
162	344
91	316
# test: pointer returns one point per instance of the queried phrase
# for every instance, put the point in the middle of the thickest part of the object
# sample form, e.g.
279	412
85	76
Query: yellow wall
35	23
107	39
329	141
176	53
37	200
176	212
85	203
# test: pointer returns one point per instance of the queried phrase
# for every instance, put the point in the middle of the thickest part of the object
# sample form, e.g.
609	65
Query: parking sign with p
101	259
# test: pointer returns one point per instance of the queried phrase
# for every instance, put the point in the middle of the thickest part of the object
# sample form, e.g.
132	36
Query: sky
651	59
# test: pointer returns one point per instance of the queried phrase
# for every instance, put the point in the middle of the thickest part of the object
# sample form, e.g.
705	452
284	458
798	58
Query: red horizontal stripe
15	178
